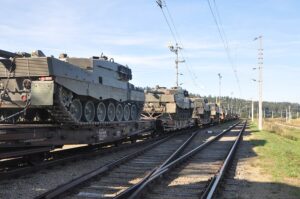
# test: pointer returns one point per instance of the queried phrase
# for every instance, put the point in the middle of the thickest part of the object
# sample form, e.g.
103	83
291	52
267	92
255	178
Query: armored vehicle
172	106
214	112
66	90
201	112
222	112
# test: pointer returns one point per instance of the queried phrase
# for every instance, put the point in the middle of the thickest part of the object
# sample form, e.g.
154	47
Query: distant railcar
172	106
201	112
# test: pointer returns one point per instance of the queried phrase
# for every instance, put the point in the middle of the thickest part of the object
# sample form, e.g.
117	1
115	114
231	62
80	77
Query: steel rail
174	163
126	193
62	189
211	189
99	171
72	154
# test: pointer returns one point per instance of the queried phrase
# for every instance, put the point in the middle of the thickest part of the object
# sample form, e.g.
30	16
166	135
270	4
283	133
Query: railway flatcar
55	101
48	101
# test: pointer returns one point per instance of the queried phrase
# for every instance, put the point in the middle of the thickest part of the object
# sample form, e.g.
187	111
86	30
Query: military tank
222	113
66	90
172	106
214	112
201	112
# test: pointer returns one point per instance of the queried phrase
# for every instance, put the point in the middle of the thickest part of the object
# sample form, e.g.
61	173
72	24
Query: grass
295	122
288	132
279	155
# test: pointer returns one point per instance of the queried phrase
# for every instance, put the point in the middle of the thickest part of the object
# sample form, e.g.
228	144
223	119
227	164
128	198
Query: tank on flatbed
66	90
214	112
172	106
201	112
222	112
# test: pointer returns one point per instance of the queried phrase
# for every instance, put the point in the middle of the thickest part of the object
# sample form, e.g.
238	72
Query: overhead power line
173	30
193	75
162	4
222	35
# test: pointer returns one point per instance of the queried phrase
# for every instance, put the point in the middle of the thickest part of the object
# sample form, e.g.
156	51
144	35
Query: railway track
123	177
21	162
196	174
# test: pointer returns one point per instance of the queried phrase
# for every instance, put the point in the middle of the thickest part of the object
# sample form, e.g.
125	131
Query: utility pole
286	115
177	61
252	111
231	106
260	81
220	77
249	113
290	115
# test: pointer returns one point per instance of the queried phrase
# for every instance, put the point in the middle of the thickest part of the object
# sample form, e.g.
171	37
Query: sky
136	34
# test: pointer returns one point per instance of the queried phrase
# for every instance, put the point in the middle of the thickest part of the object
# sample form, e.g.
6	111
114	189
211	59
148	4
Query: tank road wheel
101	112
119	112
65	96
76	109
133	112
111	112
89	111
126	112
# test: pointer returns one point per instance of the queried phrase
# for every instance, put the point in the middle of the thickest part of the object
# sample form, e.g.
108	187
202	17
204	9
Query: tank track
62	115
182	114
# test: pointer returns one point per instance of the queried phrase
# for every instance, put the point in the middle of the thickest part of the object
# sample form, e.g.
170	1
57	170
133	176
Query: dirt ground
246	180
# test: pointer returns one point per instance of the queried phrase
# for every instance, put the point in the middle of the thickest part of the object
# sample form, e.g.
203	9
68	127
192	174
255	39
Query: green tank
201	112
173	106
66	90
214	112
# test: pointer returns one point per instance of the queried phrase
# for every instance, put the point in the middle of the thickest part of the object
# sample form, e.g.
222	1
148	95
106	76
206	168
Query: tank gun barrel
155	92
7	54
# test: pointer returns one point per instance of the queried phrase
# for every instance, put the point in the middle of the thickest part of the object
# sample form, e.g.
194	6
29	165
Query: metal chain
17	113
8	78
5	90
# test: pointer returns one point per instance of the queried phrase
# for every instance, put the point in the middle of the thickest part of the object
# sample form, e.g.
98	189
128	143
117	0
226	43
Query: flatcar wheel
89	111
101	112
111	112
119	112
76	109
133	111
126	112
